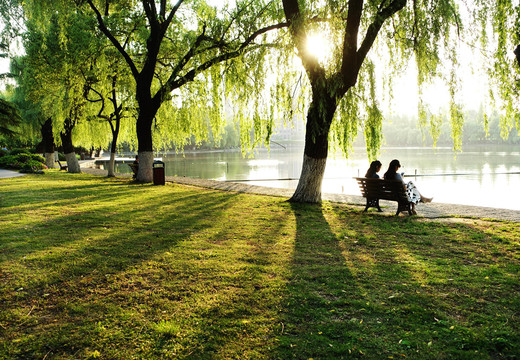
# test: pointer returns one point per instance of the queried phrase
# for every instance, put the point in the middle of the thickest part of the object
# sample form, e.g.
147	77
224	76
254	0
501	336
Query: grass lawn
92	267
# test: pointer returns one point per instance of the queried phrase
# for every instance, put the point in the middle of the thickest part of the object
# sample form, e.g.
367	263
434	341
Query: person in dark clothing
374	168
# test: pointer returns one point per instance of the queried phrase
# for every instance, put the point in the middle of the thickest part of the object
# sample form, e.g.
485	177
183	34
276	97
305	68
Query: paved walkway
431	211
8	173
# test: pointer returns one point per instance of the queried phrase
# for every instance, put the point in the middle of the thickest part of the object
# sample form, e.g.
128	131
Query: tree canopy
372	41
168	46
9	118
188	63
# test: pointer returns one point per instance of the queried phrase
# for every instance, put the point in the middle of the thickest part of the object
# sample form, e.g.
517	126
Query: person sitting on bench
374	168
413	194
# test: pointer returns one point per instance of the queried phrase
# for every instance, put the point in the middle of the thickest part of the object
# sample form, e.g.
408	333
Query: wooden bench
135	169
62	167
375	189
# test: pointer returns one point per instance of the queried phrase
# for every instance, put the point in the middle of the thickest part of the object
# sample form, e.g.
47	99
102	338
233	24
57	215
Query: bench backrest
382	189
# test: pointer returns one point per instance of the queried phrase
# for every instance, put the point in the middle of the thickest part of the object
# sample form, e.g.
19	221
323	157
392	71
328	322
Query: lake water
480	175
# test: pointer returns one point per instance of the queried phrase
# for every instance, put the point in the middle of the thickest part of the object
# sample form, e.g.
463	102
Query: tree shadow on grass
66	219
323	301
426	290
133	230
101	265
233	310
52	191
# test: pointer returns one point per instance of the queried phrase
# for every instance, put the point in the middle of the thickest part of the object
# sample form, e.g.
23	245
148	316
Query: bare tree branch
108	34
172	12
355	9
376	25
174	83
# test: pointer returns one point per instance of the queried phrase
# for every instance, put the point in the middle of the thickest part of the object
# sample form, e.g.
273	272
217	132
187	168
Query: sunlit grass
106	268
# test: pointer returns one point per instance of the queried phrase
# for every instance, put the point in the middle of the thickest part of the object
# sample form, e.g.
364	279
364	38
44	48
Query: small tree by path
110	104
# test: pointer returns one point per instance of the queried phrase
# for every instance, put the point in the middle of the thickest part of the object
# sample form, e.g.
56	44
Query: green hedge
17	151
23	161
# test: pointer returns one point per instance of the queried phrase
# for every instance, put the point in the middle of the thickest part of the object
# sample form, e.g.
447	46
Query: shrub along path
429	211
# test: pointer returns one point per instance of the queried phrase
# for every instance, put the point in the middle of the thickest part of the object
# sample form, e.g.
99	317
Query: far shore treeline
398	130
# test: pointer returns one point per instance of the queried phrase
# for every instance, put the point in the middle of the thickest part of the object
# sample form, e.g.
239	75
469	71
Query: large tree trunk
147	110
145	172
72	163
319	119
48	143
145	150
309	185
111	164
68	149
50	160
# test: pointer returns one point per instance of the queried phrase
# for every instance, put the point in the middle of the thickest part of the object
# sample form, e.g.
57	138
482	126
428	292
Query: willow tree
170	45
53	79
31	124
71	76
111	104
69	73
367	35
354	27
106	91
500	37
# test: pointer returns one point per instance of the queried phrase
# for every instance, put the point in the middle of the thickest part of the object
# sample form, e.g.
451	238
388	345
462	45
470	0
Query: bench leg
373	203
367	205
403	206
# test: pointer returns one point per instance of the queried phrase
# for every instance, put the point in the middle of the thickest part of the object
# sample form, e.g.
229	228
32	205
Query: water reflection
486	176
